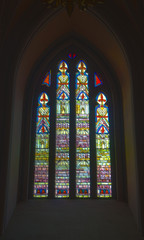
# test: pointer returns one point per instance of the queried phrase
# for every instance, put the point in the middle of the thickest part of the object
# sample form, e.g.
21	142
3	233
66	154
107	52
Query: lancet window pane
62	132
42	147
104	184
82	133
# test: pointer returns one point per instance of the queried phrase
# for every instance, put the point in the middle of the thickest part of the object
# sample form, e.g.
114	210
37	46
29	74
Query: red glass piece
102	130
46	80
44	98
97	81
63	96
82	96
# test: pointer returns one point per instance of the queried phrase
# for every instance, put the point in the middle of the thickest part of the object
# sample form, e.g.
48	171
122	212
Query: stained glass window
42	147
81	173
82	133
62	132
104	184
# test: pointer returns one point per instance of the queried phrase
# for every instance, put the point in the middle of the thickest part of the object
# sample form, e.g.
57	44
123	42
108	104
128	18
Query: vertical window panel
104	184
62	132
42	147
82	133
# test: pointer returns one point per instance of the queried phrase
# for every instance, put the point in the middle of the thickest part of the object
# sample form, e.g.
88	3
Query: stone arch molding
97	34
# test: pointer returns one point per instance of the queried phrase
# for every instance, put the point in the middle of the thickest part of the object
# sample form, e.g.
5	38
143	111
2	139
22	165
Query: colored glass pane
62	132
82	133
72	55
42	147
97	80
47	79
104	184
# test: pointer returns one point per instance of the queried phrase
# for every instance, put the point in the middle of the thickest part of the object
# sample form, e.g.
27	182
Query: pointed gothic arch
28	60
54	97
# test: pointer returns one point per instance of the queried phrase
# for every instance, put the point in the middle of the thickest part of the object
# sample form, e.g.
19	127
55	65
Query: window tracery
82	138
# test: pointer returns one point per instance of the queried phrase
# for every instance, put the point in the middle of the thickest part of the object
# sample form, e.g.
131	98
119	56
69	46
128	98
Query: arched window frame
34	88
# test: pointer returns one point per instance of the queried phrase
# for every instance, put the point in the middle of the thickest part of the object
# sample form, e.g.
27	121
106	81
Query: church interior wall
102	38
